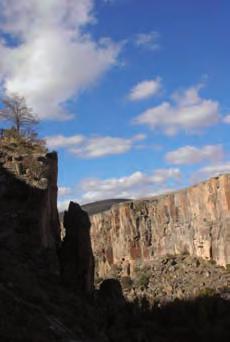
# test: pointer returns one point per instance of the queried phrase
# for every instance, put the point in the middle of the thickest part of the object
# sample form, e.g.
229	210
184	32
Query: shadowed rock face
29	224
76	257
194	221
49	218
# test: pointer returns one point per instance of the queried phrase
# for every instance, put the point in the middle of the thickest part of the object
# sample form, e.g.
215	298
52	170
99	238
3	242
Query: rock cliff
76	256
29	223
34	304
194	221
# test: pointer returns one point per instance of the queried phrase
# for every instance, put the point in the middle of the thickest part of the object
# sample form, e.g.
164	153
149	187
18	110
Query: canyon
157	261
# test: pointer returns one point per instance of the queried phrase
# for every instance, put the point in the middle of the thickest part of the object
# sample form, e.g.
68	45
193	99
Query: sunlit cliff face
193	221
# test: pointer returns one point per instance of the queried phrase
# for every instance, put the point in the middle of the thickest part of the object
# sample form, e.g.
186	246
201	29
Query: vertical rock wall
194	221
50	226
76	257
29	224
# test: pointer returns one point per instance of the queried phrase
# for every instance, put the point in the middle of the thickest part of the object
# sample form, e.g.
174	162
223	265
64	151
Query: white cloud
104	146
148	40
54	58
191	154
94	147
63	191
145	89
226	119
135	185
211	171
189	112
138	184
59	141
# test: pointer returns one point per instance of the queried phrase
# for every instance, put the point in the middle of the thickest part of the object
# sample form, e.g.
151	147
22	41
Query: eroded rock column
76	256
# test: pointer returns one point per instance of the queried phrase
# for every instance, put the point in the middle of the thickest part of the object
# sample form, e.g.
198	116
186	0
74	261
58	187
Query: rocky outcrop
29	223
176	277
33	304
195	221
76	257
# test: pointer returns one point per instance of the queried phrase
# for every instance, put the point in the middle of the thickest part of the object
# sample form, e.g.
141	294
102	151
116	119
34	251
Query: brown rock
195	221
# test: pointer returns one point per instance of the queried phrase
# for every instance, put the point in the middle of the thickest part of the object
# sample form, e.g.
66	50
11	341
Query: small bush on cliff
21	137
115	271
212	262
142	275
126	282
17	112
207	292
142	280
14	142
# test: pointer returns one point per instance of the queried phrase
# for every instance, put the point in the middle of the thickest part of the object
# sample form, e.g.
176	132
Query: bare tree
17	112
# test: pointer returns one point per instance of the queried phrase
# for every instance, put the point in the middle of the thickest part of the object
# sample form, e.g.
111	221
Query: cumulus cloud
145	89
94	147
191	154
48	57
136	185
148	40
226	119
187	111
60	141
211	171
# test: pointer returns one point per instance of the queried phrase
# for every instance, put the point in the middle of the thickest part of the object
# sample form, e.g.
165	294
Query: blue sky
134	95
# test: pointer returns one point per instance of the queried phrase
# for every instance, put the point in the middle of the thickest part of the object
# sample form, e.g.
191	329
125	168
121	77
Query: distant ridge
101	206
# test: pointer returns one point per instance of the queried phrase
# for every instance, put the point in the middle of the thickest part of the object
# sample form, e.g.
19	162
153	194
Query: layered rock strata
193	221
